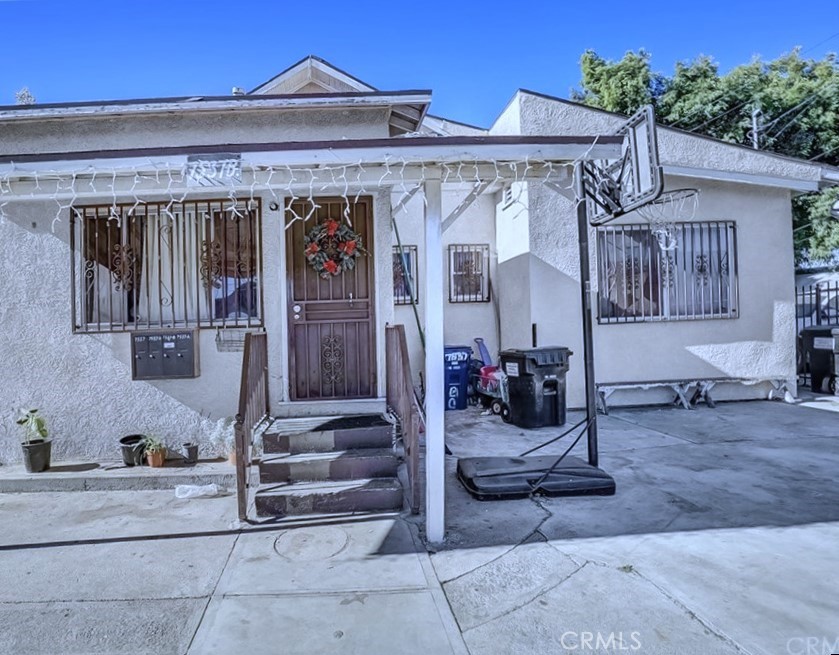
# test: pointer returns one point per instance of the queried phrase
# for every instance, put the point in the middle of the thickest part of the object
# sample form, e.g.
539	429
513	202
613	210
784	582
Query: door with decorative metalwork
329	255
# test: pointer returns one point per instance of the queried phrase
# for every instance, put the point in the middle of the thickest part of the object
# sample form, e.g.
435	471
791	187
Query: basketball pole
585	290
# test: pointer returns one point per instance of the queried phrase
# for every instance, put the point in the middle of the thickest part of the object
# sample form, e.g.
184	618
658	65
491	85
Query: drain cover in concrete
311	545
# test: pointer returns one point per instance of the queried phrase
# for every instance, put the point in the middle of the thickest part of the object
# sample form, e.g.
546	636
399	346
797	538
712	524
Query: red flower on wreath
332	248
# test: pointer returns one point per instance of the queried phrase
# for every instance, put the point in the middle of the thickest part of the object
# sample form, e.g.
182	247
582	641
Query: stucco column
435	461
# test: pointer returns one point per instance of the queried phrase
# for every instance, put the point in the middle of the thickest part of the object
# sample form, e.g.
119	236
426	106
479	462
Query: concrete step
343	465
331	434
329	497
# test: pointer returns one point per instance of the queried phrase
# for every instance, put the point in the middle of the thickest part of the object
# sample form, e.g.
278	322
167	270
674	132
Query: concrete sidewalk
98	572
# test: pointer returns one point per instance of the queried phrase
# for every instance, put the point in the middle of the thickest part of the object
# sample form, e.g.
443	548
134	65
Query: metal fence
815	304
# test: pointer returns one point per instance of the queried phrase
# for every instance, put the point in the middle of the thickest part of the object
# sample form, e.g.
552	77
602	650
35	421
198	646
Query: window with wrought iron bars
161	264
638	280
405	275
469	273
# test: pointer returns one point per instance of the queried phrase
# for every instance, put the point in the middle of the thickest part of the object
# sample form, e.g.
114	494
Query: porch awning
385	162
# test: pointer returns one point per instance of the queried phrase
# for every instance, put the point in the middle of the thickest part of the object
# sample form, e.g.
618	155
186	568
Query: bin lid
821	329
544	356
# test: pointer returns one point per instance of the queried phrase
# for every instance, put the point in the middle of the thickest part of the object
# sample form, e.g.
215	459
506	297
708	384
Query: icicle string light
284	183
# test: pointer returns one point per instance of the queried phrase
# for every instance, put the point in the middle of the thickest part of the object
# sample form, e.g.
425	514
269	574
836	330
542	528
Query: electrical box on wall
163	355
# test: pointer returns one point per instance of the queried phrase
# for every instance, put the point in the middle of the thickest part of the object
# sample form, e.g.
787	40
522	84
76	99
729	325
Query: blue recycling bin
457	376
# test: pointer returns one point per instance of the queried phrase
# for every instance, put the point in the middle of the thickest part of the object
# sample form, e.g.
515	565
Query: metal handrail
403	402
253	410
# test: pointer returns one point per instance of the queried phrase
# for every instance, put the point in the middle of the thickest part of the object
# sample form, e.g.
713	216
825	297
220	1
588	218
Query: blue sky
473	55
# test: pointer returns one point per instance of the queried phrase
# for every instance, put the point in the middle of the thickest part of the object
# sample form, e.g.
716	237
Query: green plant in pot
155	451
37	447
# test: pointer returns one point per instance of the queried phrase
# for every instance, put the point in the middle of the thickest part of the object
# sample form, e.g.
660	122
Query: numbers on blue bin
457	357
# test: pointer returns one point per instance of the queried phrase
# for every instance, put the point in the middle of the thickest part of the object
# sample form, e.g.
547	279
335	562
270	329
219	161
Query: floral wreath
332	248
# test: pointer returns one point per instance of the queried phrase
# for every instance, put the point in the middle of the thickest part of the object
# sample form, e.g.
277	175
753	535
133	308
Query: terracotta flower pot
156	459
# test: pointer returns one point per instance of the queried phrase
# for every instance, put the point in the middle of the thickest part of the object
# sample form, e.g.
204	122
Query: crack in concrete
525	603
521	542
656	430
710	627
79	601
213	593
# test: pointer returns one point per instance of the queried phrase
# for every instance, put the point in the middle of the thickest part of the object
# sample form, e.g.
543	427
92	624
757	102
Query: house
122	221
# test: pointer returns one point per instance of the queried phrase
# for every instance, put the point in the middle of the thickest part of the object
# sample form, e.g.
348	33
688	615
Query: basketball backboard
615	187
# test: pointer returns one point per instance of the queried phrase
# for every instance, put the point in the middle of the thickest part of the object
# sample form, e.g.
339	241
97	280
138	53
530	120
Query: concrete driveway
723	537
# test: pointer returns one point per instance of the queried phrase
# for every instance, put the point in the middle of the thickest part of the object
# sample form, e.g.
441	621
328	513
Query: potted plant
155	451
37	448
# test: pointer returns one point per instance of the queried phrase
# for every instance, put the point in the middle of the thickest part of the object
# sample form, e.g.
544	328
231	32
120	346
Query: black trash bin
536	385
820	345
457	376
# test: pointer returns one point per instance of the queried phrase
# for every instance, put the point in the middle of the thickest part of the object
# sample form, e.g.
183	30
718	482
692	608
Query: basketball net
663	212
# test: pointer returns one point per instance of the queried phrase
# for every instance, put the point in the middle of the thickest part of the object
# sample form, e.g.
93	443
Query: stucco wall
82	383
205	128
463	321
759	343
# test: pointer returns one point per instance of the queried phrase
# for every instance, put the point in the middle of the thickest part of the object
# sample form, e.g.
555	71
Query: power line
826	152
812	47
725	113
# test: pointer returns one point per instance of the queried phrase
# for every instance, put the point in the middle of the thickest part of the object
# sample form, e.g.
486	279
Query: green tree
797	105
621	86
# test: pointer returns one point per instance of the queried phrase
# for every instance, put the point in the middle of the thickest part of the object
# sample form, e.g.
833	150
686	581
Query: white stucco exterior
82	382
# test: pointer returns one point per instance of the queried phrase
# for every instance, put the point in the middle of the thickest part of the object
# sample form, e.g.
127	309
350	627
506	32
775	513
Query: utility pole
756	114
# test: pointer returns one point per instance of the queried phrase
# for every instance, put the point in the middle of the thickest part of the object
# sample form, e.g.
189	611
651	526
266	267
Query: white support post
435	446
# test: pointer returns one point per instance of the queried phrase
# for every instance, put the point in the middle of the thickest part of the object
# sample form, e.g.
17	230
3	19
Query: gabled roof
312	75
315	76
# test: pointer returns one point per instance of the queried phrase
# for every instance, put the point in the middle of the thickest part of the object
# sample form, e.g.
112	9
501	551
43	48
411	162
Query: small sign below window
222	169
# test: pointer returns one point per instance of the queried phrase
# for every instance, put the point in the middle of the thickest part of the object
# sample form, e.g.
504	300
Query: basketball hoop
663	212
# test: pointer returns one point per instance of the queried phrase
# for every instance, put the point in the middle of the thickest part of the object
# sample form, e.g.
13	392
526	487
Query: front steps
328	466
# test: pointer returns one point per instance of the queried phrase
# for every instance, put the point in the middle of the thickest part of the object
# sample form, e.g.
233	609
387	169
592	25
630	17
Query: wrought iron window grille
468	273
166	265
405	282
638	280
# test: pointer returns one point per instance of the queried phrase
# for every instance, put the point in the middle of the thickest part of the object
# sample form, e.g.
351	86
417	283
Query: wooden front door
332	340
